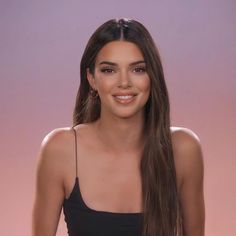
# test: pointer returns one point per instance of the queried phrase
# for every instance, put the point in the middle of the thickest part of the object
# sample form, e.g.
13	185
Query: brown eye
139	70
107	70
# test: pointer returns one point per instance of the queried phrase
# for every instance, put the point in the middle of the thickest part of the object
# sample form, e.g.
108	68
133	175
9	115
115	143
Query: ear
91	79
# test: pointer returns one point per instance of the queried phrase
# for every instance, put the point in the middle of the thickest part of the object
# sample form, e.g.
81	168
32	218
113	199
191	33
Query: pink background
41	43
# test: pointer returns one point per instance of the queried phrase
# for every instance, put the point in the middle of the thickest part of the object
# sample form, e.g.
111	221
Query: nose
124	80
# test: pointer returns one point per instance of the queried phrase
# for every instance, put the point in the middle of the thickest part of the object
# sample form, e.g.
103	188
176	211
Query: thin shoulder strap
76	167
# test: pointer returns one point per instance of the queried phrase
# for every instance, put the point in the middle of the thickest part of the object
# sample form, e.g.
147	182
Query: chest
111	185
108	180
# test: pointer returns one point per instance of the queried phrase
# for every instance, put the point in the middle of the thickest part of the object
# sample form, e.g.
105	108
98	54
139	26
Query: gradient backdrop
41	43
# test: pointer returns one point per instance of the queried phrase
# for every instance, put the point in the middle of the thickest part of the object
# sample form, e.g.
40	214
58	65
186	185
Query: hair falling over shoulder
161	207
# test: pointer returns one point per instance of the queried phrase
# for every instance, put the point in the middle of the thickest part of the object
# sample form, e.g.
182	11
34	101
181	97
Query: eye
139	69
107	70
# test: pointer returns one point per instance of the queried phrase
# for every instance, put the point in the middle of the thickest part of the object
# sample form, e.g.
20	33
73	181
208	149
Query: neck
121	134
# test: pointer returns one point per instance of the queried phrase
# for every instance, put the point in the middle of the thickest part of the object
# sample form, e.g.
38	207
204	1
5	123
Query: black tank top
84	221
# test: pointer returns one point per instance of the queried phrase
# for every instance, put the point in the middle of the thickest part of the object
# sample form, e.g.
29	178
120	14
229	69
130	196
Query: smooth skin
109	150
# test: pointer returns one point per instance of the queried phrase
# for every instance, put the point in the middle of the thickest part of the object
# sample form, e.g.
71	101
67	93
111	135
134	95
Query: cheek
104	85
144	85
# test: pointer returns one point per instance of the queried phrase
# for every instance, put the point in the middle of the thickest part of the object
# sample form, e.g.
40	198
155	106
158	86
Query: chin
128	114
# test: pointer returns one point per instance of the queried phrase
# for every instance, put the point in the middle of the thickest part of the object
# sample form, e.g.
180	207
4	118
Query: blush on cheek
144	84
106	84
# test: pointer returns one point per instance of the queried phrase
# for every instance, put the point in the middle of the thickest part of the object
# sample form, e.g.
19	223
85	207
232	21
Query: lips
124	98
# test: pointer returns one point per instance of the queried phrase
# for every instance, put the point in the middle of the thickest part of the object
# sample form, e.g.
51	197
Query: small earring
93	93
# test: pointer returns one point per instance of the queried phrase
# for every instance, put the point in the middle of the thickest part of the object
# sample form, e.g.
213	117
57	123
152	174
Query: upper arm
190	172
49	193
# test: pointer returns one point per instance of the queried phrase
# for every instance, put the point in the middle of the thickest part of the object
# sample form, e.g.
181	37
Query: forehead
120	51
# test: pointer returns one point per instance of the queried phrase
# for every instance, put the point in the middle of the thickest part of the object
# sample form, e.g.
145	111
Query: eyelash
136	70
107	70
140	69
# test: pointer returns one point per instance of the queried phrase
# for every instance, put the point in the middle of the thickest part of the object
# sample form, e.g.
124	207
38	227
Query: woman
121	169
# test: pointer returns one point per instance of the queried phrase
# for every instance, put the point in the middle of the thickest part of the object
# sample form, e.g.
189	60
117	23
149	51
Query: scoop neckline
99	211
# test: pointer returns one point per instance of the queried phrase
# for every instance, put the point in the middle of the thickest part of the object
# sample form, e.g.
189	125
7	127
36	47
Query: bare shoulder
184	141
190	173
50	176
54	150
187	153
184	136
58	146
55	141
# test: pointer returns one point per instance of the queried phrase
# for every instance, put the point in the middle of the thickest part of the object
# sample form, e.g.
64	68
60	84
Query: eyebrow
115	64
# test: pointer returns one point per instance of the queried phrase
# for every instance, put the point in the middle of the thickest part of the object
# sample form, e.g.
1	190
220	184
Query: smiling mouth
124	99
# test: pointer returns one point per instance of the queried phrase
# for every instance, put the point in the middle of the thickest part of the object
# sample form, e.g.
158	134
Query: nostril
124	85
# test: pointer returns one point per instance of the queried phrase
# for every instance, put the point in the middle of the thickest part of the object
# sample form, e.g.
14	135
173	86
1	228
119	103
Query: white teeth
124	97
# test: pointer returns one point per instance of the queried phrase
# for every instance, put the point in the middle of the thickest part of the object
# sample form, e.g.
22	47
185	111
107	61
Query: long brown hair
161	211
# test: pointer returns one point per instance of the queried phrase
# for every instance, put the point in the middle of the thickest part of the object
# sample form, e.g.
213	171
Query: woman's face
121	79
